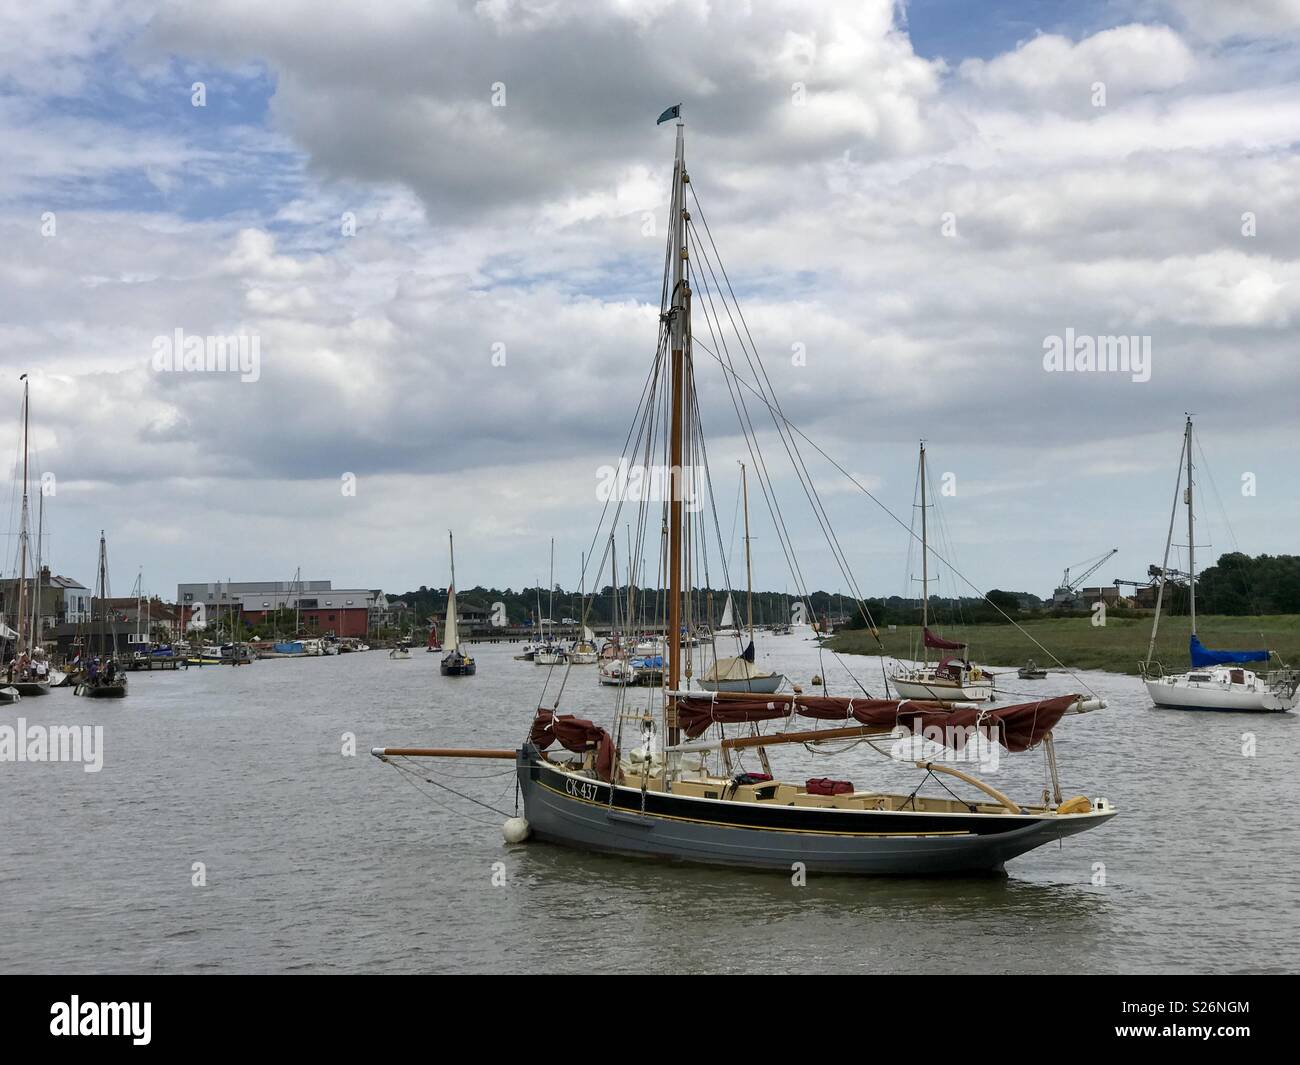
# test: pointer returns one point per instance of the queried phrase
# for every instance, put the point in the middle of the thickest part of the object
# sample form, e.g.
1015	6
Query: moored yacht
1218	680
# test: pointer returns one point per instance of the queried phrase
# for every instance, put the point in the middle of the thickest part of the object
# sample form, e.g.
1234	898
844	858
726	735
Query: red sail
695	715
1017	727
931	640
575	734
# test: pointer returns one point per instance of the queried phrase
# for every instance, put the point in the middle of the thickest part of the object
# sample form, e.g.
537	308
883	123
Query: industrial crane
1172	576
1068	592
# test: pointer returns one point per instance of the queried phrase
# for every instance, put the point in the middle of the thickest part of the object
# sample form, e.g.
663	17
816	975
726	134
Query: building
471	620
1108	594
63	600
145	617
317	607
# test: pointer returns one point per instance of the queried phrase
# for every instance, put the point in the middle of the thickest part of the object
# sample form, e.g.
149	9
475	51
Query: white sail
728	622
587	635
452	637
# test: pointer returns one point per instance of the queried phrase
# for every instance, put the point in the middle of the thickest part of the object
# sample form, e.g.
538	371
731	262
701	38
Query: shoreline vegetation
1116	647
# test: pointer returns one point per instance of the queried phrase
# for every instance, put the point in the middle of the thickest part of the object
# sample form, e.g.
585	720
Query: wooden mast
679	324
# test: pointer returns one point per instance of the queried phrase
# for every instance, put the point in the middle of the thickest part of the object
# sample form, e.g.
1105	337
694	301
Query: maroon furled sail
1017	727
695	715
940	644
575	734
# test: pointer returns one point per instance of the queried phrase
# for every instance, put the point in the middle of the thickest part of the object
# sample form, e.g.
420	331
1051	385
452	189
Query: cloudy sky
915	195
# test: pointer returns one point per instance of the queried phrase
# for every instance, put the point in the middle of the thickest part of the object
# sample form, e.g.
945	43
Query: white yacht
1218	680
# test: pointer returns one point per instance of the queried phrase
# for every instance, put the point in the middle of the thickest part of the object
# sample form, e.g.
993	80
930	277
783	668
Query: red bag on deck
827	786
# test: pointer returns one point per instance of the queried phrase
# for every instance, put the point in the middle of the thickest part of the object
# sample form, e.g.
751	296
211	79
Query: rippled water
320	862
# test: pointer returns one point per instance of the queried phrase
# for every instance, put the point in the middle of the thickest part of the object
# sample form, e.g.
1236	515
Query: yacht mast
453	621
679	326
1191	537
22	528
925	567
36	578
1164	564
749	565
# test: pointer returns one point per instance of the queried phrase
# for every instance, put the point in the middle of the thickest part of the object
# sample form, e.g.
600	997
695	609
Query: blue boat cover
1203	656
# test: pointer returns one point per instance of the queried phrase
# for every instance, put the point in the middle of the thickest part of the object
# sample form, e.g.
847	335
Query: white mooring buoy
516	830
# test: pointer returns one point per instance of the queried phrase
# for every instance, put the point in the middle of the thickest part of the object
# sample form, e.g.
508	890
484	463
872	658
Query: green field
1117	646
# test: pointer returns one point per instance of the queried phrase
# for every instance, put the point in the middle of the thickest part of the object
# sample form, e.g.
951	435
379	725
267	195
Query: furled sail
575	734
1203	656
1017	727
940	644
453	631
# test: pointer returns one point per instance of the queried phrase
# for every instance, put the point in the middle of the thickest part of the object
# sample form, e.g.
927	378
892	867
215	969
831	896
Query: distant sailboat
727	626
740	673
28	673
1217	679
104	678
457	663
953	679
434	644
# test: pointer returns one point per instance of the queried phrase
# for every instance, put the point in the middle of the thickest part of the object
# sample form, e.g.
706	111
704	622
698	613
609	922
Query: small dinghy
1031	671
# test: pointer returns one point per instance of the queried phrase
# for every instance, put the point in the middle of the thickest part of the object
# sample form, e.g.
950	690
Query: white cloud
1052	70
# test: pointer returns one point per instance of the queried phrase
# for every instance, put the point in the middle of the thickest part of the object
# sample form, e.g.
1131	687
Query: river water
314	860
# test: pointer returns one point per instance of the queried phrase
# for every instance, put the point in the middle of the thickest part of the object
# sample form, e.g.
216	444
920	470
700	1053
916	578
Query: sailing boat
583	652
738	673
28	672
1217	680
953	679
457	663
679	794
727	626
434	644
104	678
550	652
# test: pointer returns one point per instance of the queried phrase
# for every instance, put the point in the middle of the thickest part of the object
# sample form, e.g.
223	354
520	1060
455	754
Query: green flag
673	112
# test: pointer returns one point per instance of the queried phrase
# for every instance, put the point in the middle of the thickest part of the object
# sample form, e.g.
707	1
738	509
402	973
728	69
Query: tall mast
749	565
1191	535
679	324
36	580
925	567
103	596
22	529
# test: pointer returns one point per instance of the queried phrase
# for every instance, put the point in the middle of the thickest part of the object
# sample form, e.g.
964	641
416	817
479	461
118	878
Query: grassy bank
1117	646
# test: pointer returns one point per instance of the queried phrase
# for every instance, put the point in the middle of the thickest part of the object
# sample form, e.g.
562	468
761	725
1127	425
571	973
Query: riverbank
1116	647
